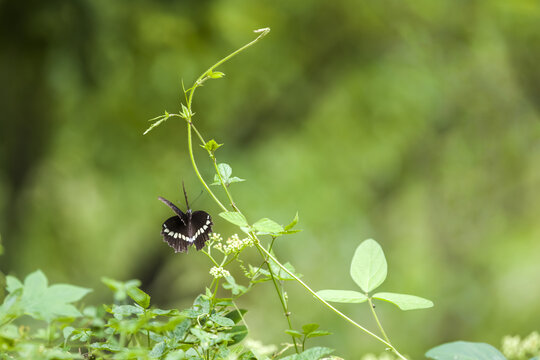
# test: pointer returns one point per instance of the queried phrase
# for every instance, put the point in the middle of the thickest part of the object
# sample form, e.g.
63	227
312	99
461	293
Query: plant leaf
463	350
267	226
295	333
368	266
309	328
315	353
139	296
234	217
212	145
404	301
49	303
342	296
293	223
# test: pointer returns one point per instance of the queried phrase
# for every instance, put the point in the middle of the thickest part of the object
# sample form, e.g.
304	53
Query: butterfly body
185	229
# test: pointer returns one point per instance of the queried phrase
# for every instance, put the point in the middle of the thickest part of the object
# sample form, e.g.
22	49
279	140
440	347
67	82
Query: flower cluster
233	244
515	348
219	272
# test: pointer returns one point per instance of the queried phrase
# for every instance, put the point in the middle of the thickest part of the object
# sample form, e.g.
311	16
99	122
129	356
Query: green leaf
235	288
342	296
293	223
267	226
238	334
157	350
49	303
157	121
215	74
225	171
295	333
212	146
139	296
463	350
318	333
404	301
234	217
368	266
235	315
221	320
308	328
120	288
12	283
315	353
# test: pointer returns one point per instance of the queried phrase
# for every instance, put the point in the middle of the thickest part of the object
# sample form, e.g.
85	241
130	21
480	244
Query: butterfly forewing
186	229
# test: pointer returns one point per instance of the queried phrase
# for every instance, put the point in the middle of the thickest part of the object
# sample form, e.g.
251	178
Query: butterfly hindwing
185	229
201	227
172	231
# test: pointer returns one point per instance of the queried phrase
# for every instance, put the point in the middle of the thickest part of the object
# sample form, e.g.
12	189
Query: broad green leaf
368	267
234	217
267	226
67	331
120	288
11	308
308	328
342	296
157	350
121	311
49	303
12	283
221	320
225	171
295	333
139	296
236	315
238	333
315	353
292	223
463	350
404	301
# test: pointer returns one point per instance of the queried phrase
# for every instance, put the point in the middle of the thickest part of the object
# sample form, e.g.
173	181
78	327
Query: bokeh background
412	122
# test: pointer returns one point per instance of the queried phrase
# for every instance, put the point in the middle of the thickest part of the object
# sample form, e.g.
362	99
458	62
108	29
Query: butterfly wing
200	228
176	210
174	232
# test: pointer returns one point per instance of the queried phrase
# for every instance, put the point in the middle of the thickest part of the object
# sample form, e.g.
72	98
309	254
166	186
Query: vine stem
372	307
189	99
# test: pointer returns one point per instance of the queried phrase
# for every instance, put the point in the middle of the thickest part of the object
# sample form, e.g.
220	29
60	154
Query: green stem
190	125
281	299
372	307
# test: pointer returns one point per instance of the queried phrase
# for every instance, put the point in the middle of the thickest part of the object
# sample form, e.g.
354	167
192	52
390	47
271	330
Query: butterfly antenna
197	198
185	194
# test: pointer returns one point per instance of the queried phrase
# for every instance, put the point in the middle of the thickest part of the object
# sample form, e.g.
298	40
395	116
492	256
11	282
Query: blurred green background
416	123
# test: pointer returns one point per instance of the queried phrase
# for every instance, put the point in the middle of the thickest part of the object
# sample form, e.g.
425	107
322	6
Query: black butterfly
185	229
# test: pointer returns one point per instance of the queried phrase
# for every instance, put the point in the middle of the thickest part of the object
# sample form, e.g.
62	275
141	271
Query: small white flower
219	272
216	237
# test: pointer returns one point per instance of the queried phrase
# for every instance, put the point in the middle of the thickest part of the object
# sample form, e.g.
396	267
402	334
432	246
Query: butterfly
185	229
